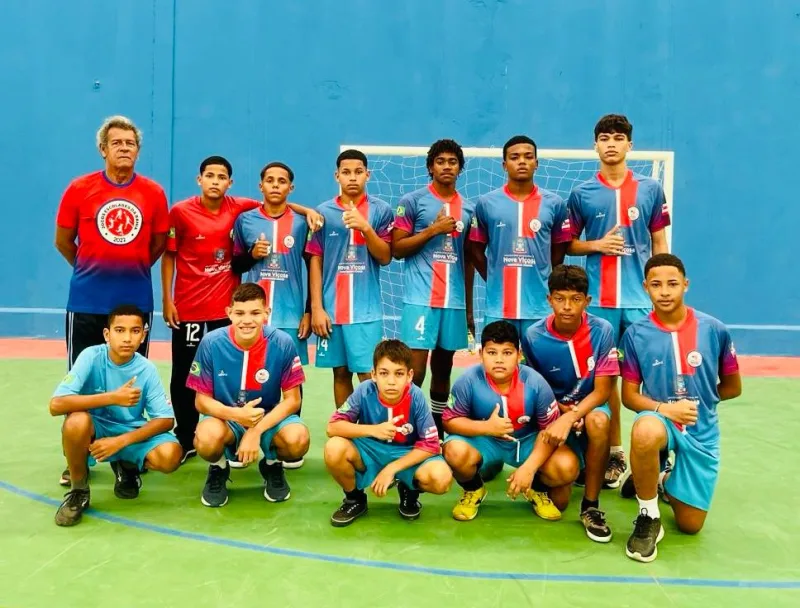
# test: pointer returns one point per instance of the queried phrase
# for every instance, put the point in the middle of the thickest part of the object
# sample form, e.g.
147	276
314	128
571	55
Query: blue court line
472	574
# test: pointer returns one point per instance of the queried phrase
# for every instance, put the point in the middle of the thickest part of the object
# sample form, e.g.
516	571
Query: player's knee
165	458
77	425
209	438
562	467
435	478
459	454
597	425
295	440
336	451
648	433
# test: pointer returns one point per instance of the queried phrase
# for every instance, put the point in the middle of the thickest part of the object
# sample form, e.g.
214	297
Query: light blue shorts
495	452
696	469
300	345
425	328
266	438
350	346
136	453
377	454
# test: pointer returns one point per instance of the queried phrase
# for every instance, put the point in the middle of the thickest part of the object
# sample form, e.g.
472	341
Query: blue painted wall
715	81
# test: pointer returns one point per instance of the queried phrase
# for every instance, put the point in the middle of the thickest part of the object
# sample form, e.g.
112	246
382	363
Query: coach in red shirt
120	220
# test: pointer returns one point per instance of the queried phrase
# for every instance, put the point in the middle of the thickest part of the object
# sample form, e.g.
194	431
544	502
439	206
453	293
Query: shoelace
75	498
467	498
543	497
642	524
597	517
217	480
349	506
275	477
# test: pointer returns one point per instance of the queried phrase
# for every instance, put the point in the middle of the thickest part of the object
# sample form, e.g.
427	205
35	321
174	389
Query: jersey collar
404	400
662	327
551	327
261	338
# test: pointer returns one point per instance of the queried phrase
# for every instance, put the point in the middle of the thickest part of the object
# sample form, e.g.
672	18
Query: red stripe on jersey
403	409
285	223
267	285
627	196
363	208
439	285
343	298
582	344
609	279
687	343
530	212
510	295
256	359
514	400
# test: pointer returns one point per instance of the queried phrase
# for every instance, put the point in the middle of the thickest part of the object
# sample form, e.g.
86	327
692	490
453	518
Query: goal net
397	170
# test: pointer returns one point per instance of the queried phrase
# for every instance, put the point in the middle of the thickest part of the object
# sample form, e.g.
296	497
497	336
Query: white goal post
397	170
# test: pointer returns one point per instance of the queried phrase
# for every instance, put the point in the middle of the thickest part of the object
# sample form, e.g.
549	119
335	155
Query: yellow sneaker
467	506
542	505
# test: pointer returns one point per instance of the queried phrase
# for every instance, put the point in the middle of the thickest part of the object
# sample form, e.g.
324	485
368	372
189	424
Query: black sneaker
275	487
187	454
409	507
128	482
594	522
348	512
71	510
215	492
642	544
616	467
626	487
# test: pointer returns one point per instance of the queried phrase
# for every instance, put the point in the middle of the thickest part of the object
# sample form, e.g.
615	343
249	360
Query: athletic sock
617	449
649	507
81	484
588	504
222	462
356	495
438	405
476	483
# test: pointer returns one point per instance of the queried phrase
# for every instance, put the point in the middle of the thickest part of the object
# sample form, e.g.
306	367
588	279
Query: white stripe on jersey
446	268
350	282
574	356
271	303
518	295
676	351
245	360
504	406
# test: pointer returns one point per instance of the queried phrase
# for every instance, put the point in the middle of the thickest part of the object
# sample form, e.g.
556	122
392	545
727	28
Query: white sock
270	462
650	507
222	462
617	449
662	477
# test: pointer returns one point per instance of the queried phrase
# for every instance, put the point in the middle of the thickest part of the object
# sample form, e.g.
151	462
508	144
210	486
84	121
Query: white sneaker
293	464
235	464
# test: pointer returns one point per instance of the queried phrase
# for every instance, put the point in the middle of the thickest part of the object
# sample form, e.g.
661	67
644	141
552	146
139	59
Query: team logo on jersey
694	359
288	241
119	222
459	226
352	253
262	376
535	225
406	429
633	214
274	261
523	419
519	245
401	211
195	369
448	244
590	364
219	255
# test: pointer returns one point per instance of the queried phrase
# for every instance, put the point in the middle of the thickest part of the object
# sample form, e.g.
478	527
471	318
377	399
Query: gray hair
117	122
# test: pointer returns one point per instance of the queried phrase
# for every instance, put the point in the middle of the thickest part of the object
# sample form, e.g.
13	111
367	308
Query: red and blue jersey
672	365
416	428
351	289
518	237
434	276
529	402
114	223
570	365
281	272
639	208
233	376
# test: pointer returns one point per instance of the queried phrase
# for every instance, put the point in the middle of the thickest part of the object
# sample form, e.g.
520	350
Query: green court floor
166	549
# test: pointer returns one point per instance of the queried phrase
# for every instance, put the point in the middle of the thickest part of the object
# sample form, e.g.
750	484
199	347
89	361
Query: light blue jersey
95	373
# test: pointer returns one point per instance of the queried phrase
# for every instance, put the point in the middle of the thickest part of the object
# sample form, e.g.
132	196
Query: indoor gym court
166	549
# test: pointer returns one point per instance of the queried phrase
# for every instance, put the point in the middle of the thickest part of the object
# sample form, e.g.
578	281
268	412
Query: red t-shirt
203	245
115	224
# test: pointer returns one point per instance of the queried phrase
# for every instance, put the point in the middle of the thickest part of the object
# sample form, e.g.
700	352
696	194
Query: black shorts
84	329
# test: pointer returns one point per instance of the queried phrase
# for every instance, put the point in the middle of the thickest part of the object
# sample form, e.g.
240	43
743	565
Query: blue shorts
266	438
696	469
522	325
583	440
425	328
350	346
496	451
620	318
300	345
377	454
136	453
